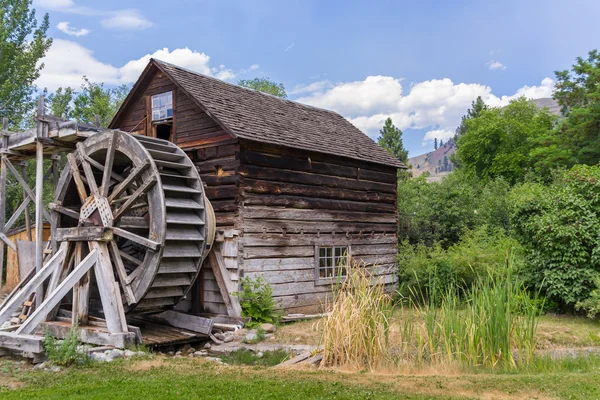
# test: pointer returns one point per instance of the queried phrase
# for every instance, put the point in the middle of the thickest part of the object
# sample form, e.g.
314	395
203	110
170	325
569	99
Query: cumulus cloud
436	105
122	19
60	70
495	65
66	28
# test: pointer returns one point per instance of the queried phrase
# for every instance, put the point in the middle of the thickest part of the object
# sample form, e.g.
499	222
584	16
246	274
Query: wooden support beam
3	197
110	295
108	166
77	177
84	233
81	292
17	213
87	169
65	211
15	301
54	298
25	185
27	213
39	201
215	259
24	343
121	272
93	335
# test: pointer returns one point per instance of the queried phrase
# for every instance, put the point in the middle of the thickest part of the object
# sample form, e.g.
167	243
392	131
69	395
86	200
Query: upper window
332	262
162	106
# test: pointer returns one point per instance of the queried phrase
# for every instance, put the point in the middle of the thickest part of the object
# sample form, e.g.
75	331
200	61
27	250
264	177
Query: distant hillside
436	162
433	162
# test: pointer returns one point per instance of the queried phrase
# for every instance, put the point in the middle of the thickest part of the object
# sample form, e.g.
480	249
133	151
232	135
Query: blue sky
419	62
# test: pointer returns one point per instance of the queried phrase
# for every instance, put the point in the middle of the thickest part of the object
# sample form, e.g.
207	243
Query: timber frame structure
139	205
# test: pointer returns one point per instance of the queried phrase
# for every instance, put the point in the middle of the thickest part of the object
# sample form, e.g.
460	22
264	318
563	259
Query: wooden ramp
159	335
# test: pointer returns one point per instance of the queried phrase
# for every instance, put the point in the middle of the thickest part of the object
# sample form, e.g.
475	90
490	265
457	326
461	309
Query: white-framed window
162	106
331	262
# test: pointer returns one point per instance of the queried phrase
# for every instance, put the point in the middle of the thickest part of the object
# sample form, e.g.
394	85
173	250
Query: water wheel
143	199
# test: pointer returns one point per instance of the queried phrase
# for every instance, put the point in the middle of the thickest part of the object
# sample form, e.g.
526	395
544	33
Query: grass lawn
168	378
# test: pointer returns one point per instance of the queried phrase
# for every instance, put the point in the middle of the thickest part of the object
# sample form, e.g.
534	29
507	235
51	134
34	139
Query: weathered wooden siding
293	200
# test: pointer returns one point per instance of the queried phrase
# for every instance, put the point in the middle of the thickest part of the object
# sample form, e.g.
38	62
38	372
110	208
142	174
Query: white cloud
436	105
66	28
122	19
312	88
495	65
442	134
60	70
126	20
289	47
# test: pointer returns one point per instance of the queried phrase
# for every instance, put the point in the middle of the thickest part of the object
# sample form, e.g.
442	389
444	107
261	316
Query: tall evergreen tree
23	43
477	107
391	139
435	146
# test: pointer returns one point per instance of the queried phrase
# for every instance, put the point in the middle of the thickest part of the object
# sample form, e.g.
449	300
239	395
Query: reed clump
356	333
492	324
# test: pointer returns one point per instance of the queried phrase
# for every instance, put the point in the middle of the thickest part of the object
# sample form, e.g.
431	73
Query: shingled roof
252	115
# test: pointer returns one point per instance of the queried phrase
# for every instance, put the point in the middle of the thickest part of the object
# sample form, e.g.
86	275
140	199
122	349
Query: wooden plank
322	227
225	285
54	297
81	292
77	177
24	343
14	302
133	175
139	191
276	174
83	233
317	215
186	321
87	169
315	203
260	186
121	272
95	336
109	290
136	238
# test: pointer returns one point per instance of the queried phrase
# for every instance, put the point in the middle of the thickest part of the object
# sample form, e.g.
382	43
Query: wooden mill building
294	188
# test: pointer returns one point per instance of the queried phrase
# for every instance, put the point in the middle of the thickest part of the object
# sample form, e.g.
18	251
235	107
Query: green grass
247	357
182	378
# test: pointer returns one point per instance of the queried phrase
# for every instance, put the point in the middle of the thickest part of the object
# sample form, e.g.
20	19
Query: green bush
431	269
559	226
65	352
256	300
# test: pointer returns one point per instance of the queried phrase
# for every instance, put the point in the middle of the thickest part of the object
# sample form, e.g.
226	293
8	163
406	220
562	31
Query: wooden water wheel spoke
145	208
136	238
139	191
108	165
77	177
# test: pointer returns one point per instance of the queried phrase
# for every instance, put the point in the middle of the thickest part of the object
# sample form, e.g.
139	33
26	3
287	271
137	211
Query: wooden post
27	213
3	195
39	202
54	216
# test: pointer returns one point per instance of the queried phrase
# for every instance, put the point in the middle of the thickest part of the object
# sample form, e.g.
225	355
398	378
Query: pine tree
441	143
445	163
477	107
391	139
435	146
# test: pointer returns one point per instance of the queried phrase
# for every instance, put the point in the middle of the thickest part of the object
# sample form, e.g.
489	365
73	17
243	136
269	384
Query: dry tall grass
356	334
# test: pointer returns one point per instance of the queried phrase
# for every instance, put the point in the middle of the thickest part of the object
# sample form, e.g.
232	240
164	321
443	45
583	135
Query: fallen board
158	335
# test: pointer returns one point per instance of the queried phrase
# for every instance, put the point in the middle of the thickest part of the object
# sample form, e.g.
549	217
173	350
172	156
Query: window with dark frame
332	261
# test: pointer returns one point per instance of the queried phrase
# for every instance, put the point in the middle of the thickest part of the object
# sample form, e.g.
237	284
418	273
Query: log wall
292	201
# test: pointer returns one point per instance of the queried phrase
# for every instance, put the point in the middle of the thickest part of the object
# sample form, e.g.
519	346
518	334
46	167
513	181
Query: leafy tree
22	44
559	224
578	92
435	144
477	107
60	102
499	142
390	138
264	85
94	100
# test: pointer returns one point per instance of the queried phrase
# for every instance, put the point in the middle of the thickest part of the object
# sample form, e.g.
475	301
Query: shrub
559	226
356	332
432	269
65	352
256	300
